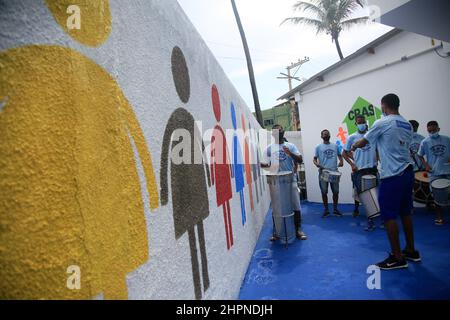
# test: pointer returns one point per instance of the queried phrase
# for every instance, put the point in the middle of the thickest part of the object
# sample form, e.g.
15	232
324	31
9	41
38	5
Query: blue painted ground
332	263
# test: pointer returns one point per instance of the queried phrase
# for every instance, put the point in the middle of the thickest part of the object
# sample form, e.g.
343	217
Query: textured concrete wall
90	94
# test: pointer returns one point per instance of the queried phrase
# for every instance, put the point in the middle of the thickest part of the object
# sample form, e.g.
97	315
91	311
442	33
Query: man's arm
317	162
349	159
361	143
341	162
427	166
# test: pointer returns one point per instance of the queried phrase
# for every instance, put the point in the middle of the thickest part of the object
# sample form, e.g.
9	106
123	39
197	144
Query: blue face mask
362	127
434	135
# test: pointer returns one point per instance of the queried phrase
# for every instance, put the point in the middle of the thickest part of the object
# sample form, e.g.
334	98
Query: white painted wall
137	55
422	83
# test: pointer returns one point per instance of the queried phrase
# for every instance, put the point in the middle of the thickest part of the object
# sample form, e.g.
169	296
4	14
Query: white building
413	66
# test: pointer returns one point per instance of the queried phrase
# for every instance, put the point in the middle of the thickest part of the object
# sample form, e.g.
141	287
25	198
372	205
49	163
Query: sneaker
325	214
274	238
355	213
337	213
392	263
370	226
301	235
413	256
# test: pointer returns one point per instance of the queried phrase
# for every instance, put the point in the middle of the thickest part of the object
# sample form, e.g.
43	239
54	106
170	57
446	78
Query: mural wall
93	97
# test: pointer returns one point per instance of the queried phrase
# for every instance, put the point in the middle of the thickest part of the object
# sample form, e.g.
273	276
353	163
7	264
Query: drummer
392	135
363	162
326	158
434	153
415	145
287	156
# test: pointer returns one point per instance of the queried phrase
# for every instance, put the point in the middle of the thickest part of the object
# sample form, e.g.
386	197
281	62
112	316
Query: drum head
440	184
422	176
335	173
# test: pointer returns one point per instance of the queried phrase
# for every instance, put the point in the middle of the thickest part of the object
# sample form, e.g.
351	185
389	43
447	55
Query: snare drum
330	176
422	192
441	190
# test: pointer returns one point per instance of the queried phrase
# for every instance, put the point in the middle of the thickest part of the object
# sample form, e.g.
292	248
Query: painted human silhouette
254	161
238	166
342	134
190	205
248	169
70	192
258	158
221	168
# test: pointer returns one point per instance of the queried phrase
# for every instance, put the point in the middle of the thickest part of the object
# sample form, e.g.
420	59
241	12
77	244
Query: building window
268	122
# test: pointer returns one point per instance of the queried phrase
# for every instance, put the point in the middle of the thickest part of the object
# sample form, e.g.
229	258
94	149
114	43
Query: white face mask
362	127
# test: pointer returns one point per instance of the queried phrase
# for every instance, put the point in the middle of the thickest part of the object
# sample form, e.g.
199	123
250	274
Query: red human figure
221	169
342	134
248	169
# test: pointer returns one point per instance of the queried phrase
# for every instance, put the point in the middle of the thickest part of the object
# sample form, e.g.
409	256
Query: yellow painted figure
87	21
69	188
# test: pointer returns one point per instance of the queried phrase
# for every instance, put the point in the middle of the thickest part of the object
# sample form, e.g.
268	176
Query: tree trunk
338	47
251	74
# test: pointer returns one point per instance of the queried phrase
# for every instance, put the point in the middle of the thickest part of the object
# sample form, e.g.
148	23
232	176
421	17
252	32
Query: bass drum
422	192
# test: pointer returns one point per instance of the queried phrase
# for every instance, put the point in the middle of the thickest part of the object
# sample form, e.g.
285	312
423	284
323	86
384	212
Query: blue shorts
396	195
324	186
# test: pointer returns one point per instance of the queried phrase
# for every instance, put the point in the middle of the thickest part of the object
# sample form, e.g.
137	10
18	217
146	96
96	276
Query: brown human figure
190	205
248	169
221	169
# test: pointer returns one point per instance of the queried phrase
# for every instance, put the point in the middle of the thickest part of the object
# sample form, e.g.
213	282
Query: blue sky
273	47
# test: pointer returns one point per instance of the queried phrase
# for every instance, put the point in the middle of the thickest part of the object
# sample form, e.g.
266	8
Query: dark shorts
396	195
324	186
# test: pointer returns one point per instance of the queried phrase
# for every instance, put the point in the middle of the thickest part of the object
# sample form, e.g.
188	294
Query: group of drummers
406	159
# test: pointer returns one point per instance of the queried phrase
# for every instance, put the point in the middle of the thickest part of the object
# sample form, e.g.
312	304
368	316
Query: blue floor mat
332	263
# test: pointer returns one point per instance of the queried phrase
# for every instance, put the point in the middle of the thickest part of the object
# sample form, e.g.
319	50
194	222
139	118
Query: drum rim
442	187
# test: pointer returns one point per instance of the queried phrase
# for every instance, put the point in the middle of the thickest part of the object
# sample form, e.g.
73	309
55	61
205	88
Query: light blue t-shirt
328	155
392	135
414	147
364	157
275	154
437	153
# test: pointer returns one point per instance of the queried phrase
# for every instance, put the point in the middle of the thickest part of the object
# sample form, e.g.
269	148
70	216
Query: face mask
362	127
434	135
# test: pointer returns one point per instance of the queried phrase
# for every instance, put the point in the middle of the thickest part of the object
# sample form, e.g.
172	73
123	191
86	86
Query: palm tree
331	17
251	74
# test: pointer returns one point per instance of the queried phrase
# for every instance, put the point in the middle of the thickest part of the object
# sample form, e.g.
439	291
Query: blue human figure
238	165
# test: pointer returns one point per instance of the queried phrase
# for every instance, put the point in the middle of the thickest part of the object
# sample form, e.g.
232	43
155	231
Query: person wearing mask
434	152
286	155
415	145
363	162
392	135
326	158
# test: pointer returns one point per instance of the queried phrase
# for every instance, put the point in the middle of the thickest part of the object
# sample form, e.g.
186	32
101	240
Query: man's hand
354	168
341	163
287	151
428	168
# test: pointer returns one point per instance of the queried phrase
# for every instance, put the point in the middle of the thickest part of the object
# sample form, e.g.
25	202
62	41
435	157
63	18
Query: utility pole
293	65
